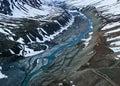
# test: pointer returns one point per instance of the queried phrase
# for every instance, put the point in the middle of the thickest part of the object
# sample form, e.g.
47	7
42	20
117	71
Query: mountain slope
24	8
73	56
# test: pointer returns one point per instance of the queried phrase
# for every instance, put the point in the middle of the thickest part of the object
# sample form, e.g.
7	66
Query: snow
28	52
113	31
21	10
31	12
114	9
118	56
110	6
2	75
90	33
70	22
73	85
2	31
60	84
11	51
48	11
115	49
87	40
45	37
106	3
111	25
115	38
117	43
32	53
71	82
98	3
43	30
29	38
20	40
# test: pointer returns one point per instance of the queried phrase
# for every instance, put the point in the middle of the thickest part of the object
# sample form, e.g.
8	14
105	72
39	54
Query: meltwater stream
52	56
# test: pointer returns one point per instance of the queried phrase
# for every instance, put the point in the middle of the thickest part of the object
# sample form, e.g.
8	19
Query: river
51	58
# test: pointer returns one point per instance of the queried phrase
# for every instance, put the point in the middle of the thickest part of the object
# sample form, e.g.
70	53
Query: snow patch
113	31
70	22
2	75
117	43
87	40
110	25
115	38
115	49
118	56
26	52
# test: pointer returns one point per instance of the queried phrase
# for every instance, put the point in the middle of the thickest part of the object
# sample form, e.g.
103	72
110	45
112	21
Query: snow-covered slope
27	35
24	8
111	6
